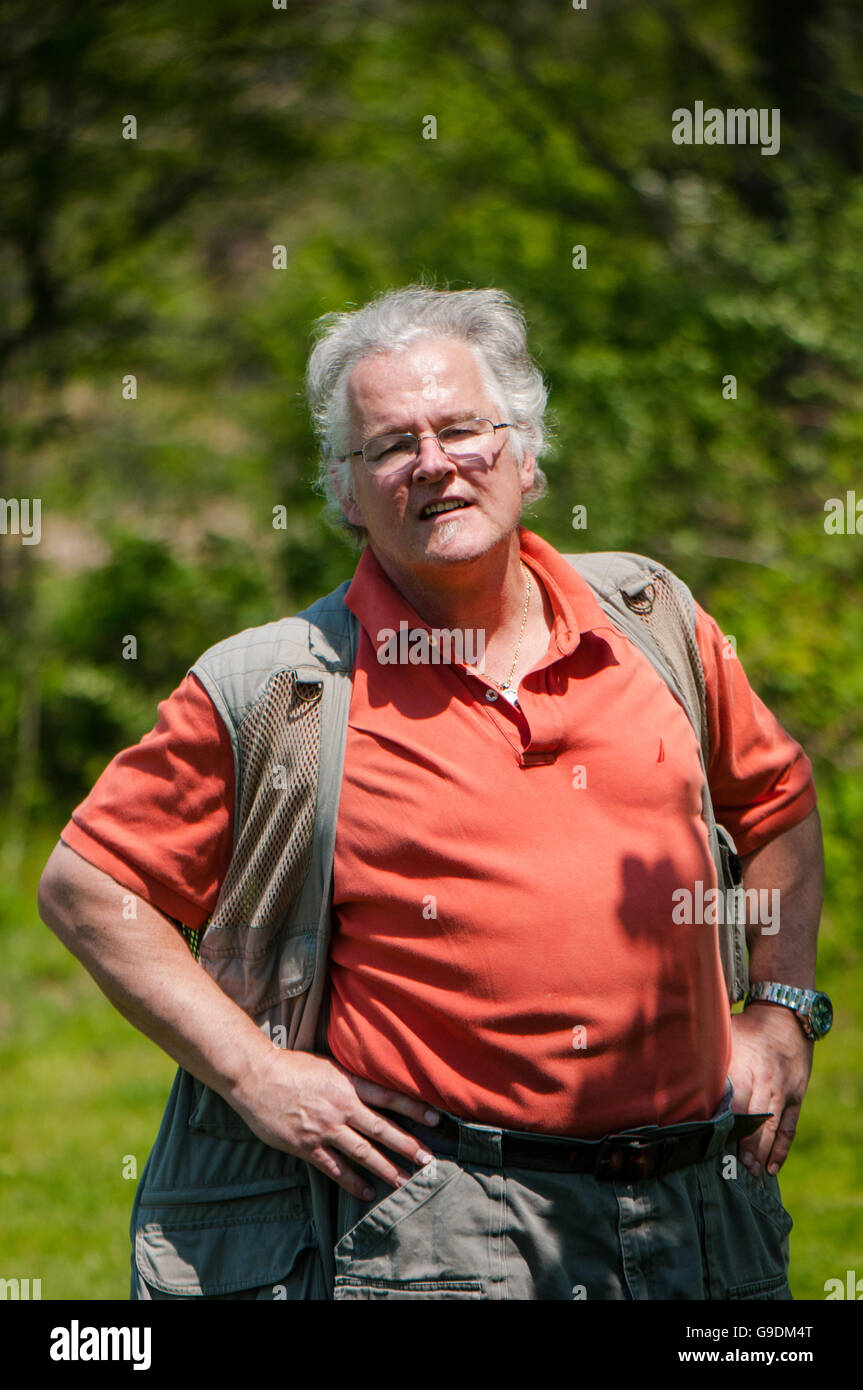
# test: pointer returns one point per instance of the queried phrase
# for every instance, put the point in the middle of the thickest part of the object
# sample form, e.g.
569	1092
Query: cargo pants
464	1227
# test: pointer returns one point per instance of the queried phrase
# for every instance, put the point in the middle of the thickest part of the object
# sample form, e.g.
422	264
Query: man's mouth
443	505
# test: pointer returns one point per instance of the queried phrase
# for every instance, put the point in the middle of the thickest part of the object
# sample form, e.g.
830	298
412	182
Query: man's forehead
427	375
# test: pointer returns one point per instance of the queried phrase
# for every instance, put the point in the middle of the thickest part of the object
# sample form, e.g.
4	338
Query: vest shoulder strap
653	607
321	638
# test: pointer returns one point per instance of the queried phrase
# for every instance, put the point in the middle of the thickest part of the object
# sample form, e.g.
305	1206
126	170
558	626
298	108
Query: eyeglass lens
468	438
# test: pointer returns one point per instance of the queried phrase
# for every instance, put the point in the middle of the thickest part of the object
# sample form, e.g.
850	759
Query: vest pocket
206	1249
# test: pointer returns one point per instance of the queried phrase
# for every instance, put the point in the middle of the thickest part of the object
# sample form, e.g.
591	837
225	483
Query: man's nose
431	459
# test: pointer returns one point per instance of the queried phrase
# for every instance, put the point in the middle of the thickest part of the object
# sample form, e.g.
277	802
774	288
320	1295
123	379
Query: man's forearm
771	1057
793	864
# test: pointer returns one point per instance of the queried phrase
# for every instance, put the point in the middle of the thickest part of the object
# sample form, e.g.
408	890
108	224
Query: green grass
80	1090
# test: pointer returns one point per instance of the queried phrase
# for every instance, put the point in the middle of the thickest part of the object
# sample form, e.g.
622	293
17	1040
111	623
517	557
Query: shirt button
491	694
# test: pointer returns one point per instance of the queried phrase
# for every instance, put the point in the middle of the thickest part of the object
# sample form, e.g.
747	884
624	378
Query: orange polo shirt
503	877
503	943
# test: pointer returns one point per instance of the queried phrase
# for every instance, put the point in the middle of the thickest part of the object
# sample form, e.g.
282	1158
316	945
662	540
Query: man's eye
382	448
468	429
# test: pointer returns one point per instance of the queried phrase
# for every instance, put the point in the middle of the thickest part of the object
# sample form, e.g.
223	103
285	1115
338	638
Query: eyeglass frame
418	438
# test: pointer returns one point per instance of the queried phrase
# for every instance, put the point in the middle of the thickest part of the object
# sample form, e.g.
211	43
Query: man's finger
379	1127
784	1138
333	1166
367	1126
758	1145
380	1098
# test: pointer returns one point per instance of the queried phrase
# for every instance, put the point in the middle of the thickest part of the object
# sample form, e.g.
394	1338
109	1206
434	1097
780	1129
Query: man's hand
771	1059
307	1105
314	1108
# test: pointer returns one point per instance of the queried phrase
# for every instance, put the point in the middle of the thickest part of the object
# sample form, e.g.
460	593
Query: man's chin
452	532
446	543
458	548
466	535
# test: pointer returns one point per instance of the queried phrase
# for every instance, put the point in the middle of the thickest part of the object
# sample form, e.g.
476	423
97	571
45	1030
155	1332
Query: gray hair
488	320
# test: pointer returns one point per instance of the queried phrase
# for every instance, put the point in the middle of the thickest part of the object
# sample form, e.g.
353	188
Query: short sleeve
160	818
760	779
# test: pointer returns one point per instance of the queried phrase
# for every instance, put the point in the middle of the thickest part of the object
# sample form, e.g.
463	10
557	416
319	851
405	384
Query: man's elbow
52	885
62	890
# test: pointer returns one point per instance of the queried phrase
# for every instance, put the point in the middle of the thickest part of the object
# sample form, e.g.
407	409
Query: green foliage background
303	127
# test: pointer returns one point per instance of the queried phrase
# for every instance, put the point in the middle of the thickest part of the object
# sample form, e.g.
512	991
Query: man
440	979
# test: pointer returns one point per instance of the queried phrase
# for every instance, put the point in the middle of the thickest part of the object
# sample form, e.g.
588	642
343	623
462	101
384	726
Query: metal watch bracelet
813	1008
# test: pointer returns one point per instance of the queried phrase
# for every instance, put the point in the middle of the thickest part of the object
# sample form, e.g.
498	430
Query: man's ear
527	471
347	501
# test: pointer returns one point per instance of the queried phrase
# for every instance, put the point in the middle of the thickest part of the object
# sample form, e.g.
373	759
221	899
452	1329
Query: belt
631	1156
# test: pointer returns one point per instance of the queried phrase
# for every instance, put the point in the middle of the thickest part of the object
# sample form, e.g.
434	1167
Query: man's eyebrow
446	417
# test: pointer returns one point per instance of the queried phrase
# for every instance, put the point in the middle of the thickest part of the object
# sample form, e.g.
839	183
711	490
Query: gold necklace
507	690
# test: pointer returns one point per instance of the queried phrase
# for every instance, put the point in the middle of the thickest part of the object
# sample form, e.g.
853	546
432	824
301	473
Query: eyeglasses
386	453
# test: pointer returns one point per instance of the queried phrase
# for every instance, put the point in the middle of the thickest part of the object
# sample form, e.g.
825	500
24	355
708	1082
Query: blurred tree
307	129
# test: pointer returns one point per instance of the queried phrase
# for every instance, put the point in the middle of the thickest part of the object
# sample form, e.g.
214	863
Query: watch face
821	1015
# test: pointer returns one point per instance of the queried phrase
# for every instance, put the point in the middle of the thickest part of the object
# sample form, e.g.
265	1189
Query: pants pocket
746	1230
350	1289
422	1240
776	1288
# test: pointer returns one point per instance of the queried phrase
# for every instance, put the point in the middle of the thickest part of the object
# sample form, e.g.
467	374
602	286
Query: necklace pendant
510	694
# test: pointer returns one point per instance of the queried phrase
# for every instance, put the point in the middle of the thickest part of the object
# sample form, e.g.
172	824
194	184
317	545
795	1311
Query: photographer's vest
218	1211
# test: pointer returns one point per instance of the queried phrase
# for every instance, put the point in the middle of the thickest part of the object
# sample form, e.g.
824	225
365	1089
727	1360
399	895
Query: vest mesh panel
192	938
279	741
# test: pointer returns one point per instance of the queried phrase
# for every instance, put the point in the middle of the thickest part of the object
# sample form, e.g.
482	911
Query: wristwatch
813	1009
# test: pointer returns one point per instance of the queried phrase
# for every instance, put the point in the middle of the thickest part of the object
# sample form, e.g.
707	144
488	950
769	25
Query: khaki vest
217	1211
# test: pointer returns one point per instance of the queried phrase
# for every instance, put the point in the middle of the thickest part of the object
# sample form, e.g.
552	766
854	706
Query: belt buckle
648	1157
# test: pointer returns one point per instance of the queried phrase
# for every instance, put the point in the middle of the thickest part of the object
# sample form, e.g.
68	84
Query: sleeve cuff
776	823
143	885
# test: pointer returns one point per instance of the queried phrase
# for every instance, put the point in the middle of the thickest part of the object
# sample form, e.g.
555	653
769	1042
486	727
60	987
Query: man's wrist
812	1008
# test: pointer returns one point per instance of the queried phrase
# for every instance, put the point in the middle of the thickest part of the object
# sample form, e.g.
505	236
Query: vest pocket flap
212	1248
214	1116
